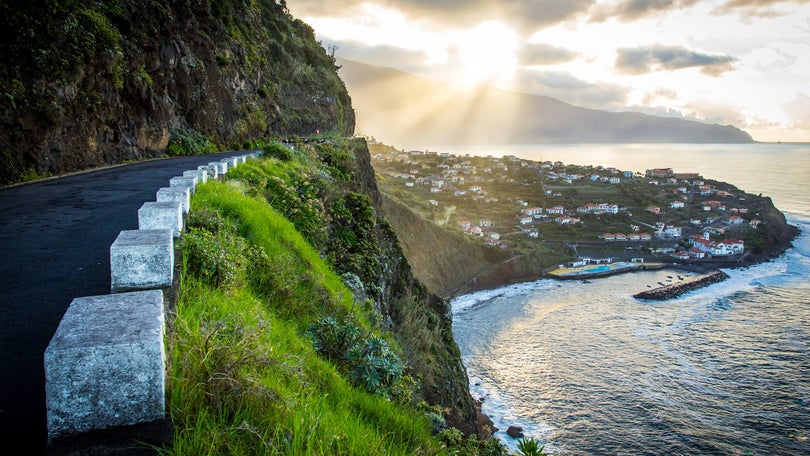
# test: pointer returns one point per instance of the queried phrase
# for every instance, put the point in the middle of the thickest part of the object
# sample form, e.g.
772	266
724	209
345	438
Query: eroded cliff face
419	319
89	83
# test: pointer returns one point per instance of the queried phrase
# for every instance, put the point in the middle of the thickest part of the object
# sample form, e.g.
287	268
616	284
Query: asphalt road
55	237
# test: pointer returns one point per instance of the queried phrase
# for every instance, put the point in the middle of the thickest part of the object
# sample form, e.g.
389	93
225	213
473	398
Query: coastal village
586	214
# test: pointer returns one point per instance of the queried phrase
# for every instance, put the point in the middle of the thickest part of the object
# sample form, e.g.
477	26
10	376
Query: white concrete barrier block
232	162
157	216
222	167
242	159
175	194
210	170
184	182
142	260
104	366
200	174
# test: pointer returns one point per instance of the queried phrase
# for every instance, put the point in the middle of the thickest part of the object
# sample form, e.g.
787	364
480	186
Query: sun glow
486	55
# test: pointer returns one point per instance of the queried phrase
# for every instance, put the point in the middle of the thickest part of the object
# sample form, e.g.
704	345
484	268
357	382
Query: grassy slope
244	377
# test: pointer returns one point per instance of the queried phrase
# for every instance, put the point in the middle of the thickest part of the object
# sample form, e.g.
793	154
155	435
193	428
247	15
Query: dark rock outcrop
516	432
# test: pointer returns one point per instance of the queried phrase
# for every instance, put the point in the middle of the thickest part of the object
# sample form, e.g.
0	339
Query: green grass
244	377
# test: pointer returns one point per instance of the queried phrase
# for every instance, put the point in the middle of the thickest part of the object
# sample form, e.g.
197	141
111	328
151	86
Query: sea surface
588	370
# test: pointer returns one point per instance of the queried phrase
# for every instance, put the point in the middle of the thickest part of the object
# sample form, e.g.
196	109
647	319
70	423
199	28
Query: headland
468	223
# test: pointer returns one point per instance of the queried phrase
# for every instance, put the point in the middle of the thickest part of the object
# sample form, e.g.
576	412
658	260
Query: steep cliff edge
420	320
451	264
88	83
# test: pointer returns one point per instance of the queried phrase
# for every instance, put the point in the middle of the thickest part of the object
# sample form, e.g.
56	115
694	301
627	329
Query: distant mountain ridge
401	108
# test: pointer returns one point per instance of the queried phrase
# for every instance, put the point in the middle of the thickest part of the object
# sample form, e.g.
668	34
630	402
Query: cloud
379	55
758	8
798	110
629	10
544	54
570	89
717	112
527	15
642	60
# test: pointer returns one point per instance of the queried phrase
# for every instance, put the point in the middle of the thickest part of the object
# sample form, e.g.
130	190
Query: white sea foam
467	301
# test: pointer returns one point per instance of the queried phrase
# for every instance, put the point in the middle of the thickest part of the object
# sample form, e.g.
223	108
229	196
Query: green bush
530	447
278	151
368	362
455	443
214	258
300	200
374	366
332	339
184	141
206	219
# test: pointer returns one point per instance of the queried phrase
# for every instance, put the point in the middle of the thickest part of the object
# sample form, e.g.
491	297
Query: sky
740	62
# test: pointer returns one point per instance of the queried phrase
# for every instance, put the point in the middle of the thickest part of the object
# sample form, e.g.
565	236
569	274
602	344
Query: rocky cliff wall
88	83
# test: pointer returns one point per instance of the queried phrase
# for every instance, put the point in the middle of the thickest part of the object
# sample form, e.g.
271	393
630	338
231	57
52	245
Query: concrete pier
104	366
676	289
165	215
142	260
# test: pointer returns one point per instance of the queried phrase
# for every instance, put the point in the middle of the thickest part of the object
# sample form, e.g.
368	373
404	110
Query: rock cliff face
421	321
88	83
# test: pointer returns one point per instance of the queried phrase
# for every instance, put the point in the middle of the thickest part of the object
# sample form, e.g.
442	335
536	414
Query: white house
677	204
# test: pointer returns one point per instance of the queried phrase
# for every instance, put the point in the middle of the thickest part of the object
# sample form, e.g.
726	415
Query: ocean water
589	370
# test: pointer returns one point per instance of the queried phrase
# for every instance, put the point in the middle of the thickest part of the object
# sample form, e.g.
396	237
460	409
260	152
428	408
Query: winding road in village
55	237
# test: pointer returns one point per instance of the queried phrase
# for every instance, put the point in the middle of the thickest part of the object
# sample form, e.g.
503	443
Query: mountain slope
400	108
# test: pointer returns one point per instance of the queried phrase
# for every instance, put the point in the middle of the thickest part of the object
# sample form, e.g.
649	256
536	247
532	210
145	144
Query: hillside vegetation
86	83
299	328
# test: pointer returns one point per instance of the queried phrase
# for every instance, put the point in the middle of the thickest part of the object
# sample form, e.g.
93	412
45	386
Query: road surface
55	237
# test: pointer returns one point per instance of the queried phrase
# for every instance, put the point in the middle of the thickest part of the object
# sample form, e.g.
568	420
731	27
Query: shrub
368	362
332	339
215	258
278	151
374	366
300	200
184	141
530	447
206	219
455	443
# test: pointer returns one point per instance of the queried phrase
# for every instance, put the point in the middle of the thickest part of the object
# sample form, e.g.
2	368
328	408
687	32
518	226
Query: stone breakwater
677	289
